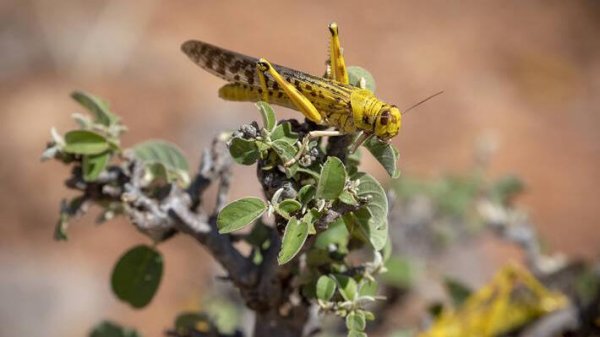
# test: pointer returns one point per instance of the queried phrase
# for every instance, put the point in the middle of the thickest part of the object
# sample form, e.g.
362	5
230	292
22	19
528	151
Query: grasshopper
513	298
330	100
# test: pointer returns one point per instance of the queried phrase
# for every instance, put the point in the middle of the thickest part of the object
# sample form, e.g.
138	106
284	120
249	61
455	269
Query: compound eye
384	118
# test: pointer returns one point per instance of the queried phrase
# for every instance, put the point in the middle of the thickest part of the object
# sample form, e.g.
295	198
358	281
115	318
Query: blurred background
523	76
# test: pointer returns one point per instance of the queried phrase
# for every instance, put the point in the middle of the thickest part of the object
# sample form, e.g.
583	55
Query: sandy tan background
526	74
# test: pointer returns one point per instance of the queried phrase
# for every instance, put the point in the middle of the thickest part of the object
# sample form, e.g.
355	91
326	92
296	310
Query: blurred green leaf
386	154
355	73
167	154
240	213
293	239
336	234
85	142
93	165
111	329
356	321
190	320
137	275
325	288
356	333
506	188
333	179
347	198
98	107
400	273
288	206
457	290
284	150
244	151
267	114
347	287
306	194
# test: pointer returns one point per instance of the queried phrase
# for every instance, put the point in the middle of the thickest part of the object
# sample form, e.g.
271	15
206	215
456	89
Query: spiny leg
299	100
337	63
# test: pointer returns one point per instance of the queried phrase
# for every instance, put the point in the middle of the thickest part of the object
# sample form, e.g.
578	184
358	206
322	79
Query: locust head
388	122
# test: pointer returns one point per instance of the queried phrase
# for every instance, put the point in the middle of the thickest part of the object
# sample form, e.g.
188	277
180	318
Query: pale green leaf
333	179
98	107
293	239
85	142
93	165
325	288
386	154
355	73
240	213
267	114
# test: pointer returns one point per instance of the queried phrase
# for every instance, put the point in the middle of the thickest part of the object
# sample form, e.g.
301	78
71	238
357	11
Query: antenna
423	101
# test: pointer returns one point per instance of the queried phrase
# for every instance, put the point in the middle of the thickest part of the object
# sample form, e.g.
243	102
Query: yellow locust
512	299
328	100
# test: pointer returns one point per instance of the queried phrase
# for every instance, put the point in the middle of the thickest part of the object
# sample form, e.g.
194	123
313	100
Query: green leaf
288	207
165	153
337	234
347	287
85	142
284	150
97	107
293	239
93	165
356	333
306	194
374	223
283	131
355	73
356	321
325	288
386	154
333	179
137	275
267	114
457	290
347	198
244	151
111	329
240	213
400	273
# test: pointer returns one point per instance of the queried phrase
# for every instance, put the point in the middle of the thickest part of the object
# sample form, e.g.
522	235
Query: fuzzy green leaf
293	239
355	73
240	213
93	165
137	275
98	107
356	321
386	154
283	131
267	114
306	194
325	288
284	150
244	151
169	155
85	142
288	207
333	179
374	223
347	287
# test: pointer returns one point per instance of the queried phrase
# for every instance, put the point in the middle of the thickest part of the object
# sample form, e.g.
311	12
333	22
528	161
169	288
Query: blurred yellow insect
329	100
513	298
